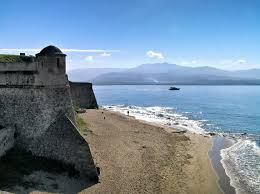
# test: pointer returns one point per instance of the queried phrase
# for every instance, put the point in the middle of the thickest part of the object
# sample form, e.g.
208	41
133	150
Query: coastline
136	156
224	181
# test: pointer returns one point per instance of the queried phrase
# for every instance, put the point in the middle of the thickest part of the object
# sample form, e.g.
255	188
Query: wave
241	161
161	115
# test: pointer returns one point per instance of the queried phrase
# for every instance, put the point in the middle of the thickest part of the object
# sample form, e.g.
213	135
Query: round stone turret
50	50
51	60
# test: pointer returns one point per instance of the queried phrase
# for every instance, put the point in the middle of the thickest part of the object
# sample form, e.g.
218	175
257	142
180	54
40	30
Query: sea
232	112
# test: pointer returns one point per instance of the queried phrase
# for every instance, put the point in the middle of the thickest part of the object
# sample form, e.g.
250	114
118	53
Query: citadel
37	114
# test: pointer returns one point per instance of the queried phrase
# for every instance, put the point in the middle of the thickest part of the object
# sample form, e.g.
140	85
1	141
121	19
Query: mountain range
165	73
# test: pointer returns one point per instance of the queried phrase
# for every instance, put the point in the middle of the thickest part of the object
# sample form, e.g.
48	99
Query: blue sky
126	33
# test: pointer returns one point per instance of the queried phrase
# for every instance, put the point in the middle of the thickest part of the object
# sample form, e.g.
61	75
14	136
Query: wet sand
138	157
220	143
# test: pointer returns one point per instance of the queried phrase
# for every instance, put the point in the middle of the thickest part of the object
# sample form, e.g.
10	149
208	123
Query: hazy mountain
164	73
86	75
251	73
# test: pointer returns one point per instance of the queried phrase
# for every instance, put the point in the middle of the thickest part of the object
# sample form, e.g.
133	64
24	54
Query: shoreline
152	116
236	163
214	153
224	181
185	152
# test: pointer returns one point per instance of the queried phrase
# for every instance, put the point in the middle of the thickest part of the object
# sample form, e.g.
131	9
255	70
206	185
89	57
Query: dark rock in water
185	125
176	123
244	134
160	115
212	134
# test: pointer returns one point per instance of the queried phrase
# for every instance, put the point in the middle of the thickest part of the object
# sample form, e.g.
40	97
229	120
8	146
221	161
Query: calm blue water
229	109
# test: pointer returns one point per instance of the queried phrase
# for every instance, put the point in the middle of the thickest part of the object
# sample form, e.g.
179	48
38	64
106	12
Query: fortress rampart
37	110
83	95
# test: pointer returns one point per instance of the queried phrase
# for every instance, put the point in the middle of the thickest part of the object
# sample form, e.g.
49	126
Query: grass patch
81	124
76	108
14	58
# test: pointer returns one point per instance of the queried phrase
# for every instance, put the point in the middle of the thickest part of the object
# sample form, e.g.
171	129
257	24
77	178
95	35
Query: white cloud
19	50
185	63
105	54
240	61
90	51
226	61
89	58
233	62
153	54
192	62
13	50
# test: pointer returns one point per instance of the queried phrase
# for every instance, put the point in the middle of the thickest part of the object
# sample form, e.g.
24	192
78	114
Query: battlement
37	113
47	68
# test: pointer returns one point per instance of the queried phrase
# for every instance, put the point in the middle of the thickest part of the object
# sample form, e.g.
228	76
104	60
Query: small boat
174	88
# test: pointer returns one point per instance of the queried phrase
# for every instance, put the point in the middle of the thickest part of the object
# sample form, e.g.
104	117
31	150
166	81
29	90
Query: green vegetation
14	58
76	108
81	124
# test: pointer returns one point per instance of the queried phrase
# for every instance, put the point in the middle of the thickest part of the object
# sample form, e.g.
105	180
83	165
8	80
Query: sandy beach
138	157
133	156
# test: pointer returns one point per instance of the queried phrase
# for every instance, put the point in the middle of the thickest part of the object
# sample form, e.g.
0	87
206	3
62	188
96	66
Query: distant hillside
164	73
87	75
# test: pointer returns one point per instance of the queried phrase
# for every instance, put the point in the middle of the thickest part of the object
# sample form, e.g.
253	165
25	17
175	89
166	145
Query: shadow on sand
21	172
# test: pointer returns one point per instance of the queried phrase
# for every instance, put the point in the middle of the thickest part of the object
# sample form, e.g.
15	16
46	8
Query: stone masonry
36	111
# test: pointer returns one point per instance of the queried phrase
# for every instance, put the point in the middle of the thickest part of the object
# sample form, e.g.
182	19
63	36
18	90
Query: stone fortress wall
37	111
82	95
